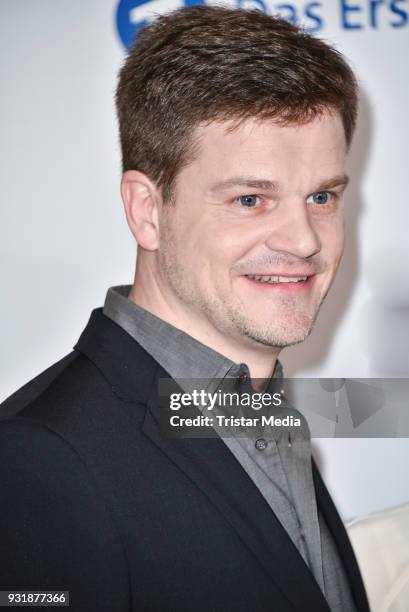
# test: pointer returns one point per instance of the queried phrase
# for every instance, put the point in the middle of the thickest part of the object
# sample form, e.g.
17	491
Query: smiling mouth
276	279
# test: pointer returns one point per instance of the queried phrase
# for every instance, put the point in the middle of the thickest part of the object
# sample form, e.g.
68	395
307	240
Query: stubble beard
277	334
229	318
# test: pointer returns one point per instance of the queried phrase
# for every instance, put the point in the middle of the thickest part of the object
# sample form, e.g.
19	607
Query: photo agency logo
314	17
289	407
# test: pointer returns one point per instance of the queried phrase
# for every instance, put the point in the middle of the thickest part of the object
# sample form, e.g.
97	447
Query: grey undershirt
281	470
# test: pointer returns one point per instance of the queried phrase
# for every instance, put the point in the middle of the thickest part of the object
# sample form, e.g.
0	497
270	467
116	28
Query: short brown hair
207	63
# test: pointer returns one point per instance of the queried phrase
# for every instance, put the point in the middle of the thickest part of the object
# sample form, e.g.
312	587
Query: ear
141	200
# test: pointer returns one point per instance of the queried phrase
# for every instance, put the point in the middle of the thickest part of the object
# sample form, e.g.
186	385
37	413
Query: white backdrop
64	239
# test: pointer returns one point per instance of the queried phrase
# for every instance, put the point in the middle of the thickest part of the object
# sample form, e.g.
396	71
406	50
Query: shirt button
243	376
260	444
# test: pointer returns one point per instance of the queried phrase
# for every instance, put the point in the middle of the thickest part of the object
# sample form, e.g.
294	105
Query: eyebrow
245	181
267	185
337	181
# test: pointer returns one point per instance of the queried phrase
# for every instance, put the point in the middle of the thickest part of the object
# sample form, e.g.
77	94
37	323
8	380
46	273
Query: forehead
264	147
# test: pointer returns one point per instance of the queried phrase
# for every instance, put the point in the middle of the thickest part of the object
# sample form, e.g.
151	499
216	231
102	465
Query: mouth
277	279
280	282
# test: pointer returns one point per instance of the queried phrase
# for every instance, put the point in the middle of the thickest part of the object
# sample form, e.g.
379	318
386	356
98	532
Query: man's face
256	234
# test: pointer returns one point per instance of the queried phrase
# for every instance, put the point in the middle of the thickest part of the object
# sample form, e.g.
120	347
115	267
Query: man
234	131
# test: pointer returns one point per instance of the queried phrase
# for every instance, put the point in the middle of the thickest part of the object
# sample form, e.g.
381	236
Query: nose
291	230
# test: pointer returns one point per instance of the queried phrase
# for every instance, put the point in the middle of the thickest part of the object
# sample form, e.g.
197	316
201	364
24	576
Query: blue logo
132	15
312	15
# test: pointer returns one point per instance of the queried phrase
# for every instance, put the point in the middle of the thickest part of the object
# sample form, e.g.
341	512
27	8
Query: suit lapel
212	468
340	536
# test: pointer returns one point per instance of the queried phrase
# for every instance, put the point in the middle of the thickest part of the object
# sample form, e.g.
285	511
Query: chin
280	335
280	340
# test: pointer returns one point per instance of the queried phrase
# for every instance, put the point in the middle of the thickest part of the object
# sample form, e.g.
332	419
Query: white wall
64	238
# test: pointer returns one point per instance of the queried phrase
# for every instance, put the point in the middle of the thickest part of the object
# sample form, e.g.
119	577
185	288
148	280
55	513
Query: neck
260	359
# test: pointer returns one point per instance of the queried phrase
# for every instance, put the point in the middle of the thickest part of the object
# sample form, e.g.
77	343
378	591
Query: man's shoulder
106	365
71	415
26	394
73	399
73	376
94	397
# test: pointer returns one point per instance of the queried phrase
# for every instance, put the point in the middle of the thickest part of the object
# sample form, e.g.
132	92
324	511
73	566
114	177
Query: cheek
338	243
237	237
331	235
220	244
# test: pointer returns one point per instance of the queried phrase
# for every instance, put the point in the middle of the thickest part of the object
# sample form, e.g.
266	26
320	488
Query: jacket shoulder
72	395
16	402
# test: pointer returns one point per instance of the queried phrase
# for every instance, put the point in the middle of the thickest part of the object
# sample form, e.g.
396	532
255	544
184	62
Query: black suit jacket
95	500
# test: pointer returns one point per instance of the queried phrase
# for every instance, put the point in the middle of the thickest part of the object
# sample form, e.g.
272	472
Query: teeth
277	279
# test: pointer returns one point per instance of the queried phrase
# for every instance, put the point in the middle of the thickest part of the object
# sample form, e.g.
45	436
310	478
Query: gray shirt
279	465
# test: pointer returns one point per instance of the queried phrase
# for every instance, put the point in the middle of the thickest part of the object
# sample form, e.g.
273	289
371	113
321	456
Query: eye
320	198
248	201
